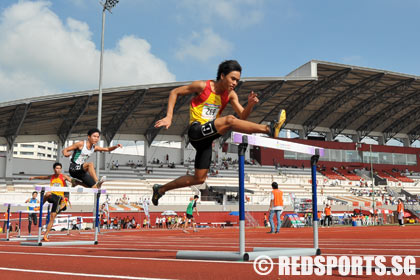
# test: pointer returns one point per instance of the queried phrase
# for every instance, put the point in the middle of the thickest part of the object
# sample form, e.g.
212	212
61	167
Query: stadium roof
318	97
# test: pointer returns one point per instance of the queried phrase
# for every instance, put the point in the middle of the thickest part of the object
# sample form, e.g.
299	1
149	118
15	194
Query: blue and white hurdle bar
8	220
243	140
44	189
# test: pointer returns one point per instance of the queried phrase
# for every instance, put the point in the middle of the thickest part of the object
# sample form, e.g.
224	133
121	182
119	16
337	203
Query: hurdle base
68	243
26	238
209	255
276	252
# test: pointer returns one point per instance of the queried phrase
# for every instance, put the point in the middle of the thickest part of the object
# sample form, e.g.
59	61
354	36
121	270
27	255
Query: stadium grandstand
325	103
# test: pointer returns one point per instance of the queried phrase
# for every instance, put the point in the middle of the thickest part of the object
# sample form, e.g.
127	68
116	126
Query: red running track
134	254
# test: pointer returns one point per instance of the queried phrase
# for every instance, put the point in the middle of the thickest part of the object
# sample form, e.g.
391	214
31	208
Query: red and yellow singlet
58	181
208	105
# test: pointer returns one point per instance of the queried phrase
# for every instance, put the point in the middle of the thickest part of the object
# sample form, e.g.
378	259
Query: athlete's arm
107	149
40	177
194	87
75	146
243	113
67	178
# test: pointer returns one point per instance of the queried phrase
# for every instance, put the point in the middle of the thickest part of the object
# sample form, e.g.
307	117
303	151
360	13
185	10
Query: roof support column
406	142
381	140
184	144
302	134
8	167
147	154
217	152
59	155
356	137
329	136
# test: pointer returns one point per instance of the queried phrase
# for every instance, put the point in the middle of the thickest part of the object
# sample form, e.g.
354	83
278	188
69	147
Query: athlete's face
34	195
231	80
57	170
94	138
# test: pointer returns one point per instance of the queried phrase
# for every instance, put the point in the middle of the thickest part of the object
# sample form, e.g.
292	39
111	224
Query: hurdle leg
241	154
8	223
41	204
314	161
97	196
20	222
68	224
47	219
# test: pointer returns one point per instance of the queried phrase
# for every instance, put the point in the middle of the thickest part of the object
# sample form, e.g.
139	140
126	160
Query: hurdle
243	140
19	237
43	189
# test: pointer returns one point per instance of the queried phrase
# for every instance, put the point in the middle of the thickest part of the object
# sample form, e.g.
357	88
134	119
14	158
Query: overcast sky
50	47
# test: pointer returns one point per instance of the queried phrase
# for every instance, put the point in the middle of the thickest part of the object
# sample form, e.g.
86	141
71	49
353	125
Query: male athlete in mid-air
82	150
206	123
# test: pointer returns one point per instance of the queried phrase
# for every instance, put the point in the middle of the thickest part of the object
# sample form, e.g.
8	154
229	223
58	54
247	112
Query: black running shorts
190	216
201	137
55	200
32	218
77	171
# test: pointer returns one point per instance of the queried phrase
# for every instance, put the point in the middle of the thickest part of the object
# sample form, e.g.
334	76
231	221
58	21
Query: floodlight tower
107	6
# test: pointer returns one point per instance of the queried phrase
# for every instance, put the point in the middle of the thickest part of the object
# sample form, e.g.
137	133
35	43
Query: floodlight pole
108	5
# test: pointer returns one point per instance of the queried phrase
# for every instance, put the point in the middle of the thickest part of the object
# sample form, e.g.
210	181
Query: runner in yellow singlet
207	124
57	199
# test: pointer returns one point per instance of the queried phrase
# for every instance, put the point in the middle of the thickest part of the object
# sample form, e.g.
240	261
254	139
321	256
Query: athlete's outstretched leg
90	168
199	177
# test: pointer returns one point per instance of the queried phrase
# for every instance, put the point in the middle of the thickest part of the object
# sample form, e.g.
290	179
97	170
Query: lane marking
166	259
80	274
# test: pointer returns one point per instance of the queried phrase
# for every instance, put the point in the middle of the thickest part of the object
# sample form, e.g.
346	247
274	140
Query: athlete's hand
165	122
66	153
253	99
119	146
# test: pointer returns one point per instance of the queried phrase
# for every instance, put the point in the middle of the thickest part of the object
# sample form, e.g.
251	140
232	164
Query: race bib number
57	185
210	111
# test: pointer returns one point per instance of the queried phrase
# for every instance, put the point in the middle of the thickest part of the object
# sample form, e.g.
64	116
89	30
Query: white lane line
79	274
121	258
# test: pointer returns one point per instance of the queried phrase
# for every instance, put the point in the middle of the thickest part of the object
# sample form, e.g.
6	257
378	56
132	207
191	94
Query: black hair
57	164
34	192
274	185
228	66
93	130
195	196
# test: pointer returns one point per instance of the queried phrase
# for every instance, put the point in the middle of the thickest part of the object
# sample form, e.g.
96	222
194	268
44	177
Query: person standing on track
57	198
328	219
206	123
190	214
400	210
82	150
32	215
276	207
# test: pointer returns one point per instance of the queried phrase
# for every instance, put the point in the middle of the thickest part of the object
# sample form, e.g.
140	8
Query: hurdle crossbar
69	189
243	140
277	144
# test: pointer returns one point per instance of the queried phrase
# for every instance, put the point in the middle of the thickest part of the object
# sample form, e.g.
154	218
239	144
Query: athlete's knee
230	120
199	179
